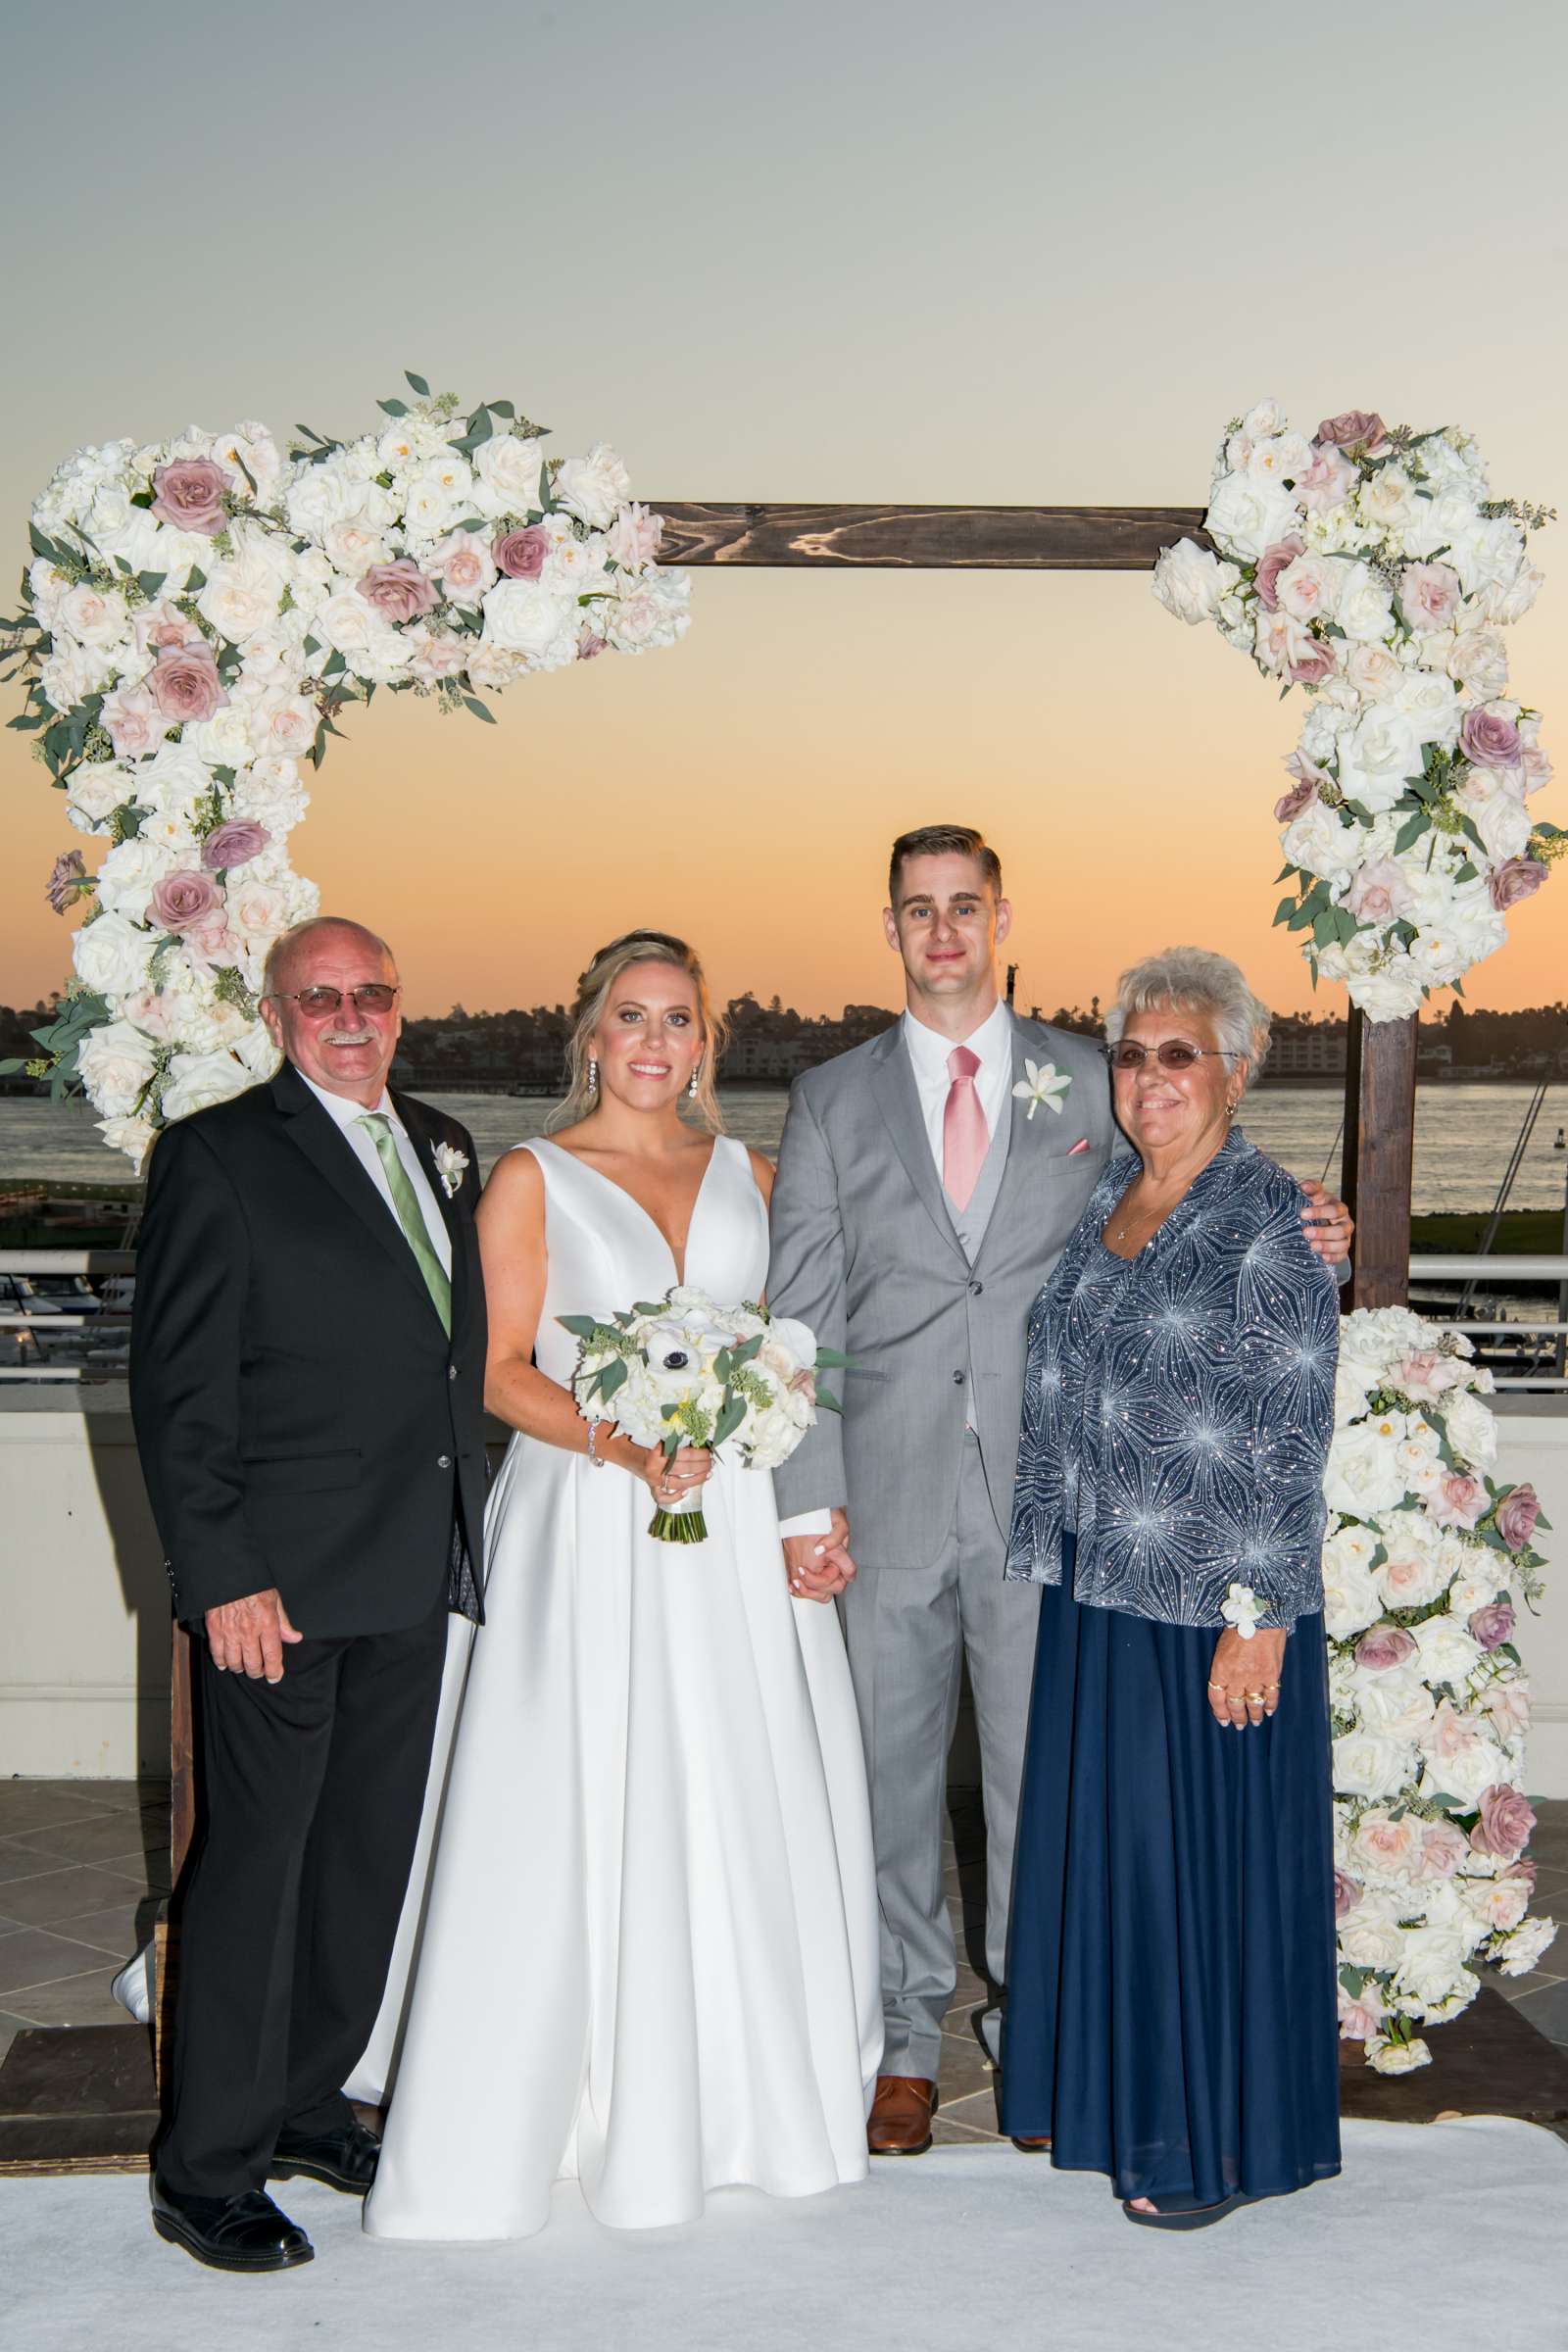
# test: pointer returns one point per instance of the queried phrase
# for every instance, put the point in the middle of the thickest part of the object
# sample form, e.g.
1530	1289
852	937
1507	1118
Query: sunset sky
1005	254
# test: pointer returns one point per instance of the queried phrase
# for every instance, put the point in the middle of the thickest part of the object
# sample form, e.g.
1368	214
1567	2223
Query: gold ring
1253	1699
1216	1685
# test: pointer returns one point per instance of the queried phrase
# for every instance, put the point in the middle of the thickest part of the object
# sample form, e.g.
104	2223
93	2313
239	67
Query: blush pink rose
1506	1821
1383	1647
1429	595
1353	429
398	591
522	554
1514	880
1492	1624
1327	482
1517	1514
1270	563
186	685
234	843
1423	1376
1523	1869
161	624
1508	1706
632	539
1346	1894
590	646
466	568
182	900
190	495
1442	1850
1457	1500
1379	893
211	941
133	722
1360	2019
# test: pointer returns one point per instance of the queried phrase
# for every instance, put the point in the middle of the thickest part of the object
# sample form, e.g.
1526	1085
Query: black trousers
311	1791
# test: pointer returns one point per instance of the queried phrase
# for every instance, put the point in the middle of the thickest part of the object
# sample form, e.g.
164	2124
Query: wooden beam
1379	1153
925	538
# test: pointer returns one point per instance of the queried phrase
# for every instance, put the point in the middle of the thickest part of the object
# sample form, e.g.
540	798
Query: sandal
1184	2213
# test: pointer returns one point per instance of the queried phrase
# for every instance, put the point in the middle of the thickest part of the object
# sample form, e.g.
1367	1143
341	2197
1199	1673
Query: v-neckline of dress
646	1214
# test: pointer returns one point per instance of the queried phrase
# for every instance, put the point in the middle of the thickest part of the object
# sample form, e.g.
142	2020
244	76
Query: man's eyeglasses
376	996
1173	1054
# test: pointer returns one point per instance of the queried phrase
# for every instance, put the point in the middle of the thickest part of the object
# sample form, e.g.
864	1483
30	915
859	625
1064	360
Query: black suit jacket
302	1418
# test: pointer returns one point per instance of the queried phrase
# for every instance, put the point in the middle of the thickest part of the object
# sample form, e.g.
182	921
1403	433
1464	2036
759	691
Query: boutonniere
451	1165
1045	1084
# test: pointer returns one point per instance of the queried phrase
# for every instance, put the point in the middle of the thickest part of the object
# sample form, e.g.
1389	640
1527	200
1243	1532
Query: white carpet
1434	2238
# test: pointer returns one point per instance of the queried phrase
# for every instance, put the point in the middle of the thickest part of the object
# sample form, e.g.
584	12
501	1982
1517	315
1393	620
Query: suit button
975	1289
443	1461
957	1380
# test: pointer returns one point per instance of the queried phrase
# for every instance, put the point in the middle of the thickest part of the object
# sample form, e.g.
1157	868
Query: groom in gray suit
925	1189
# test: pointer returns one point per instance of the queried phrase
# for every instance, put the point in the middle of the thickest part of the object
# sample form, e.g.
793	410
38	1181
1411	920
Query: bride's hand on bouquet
1243	1680
671	1482
819	1567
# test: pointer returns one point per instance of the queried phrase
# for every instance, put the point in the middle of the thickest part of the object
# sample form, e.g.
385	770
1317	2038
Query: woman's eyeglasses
376	996
1173	1054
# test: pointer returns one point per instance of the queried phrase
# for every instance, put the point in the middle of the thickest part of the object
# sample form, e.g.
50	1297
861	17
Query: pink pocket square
1082	1144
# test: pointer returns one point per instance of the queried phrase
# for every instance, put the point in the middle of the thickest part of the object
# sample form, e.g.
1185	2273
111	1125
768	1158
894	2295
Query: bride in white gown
648	1954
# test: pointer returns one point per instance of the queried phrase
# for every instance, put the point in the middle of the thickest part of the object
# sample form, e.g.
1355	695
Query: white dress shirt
928	1052
347	1114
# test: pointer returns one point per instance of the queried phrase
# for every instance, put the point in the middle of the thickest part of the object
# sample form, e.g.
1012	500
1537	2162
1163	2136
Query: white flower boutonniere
451	1165
1045	1084
1242	1609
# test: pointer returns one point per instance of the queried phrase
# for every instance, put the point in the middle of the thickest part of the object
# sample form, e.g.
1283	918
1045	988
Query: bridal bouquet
1371	565
1425	1562
686	1371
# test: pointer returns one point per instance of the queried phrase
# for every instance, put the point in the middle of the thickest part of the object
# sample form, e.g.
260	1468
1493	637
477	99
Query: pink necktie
965	1137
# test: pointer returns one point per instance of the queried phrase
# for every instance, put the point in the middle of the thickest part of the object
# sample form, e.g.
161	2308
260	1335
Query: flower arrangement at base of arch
1426	1563
196	616
1371	565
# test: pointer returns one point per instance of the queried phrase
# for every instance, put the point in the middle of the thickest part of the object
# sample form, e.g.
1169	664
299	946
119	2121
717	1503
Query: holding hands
819	1567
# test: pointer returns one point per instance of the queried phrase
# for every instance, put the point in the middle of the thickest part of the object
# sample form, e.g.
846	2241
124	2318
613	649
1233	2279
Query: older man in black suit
307	1380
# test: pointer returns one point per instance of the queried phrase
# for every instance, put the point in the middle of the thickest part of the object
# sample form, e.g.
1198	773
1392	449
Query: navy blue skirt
1171	2009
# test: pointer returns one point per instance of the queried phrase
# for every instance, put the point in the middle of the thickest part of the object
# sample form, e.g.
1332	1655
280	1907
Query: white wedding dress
647	1955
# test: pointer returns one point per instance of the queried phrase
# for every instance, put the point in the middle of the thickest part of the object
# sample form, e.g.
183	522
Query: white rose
574	565
1317	841
1478	663
1397	1704
1524	1947
118	529
198	1080
1387	500
96	790
175	778
269	790
255	909
226	740
73	672
1190	581
594	486
132	1136
1471	1426
522	617
1461	1758
250	450
348	624
1448	1652
1245	516
1431	1963
1379	759
257	1051
112	956
95	617
321	495
353	546
1350	1602
1262	423
429	507
1363	1475
1309	587
1432	707
284	725
1370	1942
1415	1572
1365	609
1279	458
1507	600
1369	1764
115	1063
1398	2057
507	471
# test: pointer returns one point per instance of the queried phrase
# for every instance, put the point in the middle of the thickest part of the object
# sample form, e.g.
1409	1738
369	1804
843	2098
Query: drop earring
696	1073
593	1075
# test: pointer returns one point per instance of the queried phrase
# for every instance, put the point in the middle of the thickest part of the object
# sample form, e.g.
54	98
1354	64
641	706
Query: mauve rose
190	494
66	876
183	899
1313	663
1288	806
1488	740
1507	1818
234	843
1270	563
589	645
1353	429
1383	1647
398	591
1429	595
520	554
1492	1624
186	685
1517	1514
1346	1894
1523	1869
1514	880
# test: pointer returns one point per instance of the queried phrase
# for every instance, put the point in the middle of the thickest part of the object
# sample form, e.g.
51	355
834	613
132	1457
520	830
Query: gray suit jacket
865	1251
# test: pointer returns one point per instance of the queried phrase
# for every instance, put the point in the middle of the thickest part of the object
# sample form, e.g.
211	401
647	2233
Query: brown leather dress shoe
1031	2147
901	2115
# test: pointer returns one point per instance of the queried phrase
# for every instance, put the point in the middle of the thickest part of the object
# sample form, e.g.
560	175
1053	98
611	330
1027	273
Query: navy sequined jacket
1178	1406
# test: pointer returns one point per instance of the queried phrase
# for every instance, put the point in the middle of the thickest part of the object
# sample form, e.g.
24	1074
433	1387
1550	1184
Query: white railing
1450	1266
42	1327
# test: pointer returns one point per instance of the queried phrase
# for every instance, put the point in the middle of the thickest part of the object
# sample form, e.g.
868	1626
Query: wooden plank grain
924	538
1379	1151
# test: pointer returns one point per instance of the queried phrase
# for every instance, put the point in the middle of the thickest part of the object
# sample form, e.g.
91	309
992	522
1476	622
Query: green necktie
406	1200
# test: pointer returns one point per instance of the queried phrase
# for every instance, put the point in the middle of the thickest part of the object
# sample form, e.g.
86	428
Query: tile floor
84	1866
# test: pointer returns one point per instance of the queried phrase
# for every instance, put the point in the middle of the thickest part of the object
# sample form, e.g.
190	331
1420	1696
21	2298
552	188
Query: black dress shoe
246	2233
345	2159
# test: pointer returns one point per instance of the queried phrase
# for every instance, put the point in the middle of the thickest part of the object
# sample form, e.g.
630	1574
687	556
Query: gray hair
1197	980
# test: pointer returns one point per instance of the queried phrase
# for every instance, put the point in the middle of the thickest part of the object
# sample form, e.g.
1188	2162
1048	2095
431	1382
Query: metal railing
42	1327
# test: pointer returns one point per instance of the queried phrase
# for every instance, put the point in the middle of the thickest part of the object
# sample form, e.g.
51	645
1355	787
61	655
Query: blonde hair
594	988
1197	980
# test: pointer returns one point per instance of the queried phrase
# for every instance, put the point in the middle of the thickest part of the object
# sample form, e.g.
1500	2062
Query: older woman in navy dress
1171	2016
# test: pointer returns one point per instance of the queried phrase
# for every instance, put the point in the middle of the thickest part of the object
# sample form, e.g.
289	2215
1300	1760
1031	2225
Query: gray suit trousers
909	1632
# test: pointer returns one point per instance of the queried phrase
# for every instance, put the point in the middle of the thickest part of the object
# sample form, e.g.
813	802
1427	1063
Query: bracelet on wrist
593	1452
